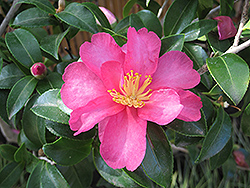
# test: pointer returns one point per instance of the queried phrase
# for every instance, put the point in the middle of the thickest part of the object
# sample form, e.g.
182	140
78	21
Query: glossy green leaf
7	151
225	71
62	106
64	131
44	5
24	47
38	33
51	43
22	154
122	26
183	141
226	7
10	74
98	13
135	21
77	15
3	100
194	128
207	109
19	94
22	138
217	137
204	6
198	55
10	174
153	6
33	17
216	44
46	107
46	175
116	177
68	152
158	160
1	64
33	126
150	21
179	15
245	121
140	177
197	29
78	175
51	81
128	6
217	160
172	43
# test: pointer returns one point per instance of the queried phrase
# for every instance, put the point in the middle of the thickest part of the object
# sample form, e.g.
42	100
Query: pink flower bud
225	27
38	70
110	16
239	158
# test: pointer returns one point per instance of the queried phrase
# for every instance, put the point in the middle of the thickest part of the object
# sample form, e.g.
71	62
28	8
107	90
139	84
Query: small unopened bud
61	6
38	70
110	16
239	158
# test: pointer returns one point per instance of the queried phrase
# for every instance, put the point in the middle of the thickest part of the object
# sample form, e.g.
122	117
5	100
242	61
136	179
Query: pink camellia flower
225	27
110	16
38	70
124	87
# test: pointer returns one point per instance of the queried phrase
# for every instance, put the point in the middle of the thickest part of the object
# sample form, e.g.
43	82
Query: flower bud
61	6
110	16
38	70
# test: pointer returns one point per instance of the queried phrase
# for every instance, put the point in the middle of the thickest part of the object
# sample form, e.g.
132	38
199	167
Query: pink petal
110	16
175	70
143	49
192	105
124	140
101	49
164	106
81	86
111	72
85	118
226	28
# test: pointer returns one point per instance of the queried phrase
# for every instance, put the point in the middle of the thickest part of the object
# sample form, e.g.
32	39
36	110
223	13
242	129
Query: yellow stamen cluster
131	94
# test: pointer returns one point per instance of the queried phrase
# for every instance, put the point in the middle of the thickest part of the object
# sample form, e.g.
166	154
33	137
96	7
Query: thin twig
47	160
243	20
9	16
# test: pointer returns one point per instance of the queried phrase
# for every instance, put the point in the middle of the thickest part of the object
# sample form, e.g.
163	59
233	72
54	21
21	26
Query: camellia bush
156	99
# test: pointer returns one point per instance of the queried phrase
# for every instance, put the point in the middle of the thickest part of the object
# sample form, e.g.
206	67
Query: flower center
131	94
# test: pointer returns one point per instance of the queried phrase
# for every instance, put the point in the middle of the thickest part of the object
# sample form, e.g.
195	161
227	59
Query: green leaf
245	121
150	21
46	107
135	21
153	6
98	13
38	33
128	6
51	43
24	47
226	7
198	55
225	71
116	177
22	154
22	138
183	141
51	81
217	160
33	126
179	15
77	15
195	128
44	5
78	175
217	137
197	29
10	74
1	64
172	43
46	175
19	94
33	17
216	44
140	177
7	151
68	152
10	174
64	131
158	160
3	100
204	7
122	26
